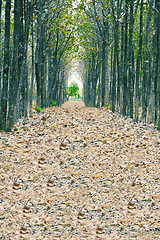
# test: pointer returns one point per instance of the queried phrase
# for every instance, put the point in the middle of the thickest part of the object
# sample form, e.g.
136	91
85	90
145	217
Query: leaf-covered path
80	173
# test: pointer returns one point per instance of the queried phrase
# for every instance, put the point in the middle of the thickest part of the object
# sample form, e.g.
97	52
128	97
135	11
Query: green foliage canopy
73	90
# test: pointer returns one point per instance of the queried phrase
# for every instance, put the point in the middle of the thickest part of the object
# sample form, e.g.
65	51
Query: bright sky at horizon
75	76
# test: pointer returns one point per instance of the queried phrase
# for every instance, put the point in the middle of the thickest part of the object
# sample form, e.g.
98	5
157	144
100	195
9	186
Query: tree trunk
13	85
6	65
122	63
103	80
32	74
0	49
37	75
114	78
158	60
87	87
131	60
145	81
98	73
38	58
20	63
154	79
125	61
43	79
52	74
27	15
138	63
157	70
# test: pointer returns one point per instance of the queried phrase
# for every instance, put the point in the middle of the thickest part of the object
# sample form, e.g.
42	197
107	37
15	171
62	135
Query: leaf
102	184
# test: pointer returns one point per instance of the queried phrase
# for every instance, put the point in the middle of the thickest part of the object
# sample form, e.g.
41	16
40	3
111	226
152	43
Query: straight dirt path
79	173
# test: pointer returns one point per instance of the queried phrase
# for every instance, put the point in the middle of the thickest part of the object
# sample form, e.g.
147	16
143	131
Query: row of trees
35	39
121	51
116	42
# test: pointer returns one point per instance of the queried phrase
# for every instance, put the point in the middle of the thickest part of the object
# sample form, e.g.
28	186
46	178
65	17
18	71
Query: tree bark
158	59
103	80
38	57
131	60
122	63
145	81
14	81
32	74
0	49
6	65
138	62
125	60
27	17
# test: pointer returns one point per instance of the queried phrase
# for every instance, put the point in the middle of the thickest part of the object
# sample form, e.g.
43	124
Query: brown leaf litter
80	173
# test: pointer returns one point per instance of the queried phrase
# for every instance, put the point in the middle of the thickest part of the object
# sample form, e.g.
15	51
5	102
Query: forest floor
73	172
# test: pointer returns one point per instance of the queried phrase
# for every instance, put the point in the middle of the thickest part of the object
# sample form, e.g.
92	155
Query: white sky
75	76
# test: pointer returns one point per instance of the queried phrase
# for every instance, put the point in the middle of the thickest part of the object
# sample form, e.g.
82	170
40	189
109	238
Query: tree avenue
116	44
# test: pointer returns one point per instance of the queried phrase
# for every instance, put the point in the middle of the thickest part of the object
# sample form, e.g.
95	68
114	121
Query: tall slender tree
125	60
131	59
14	81
32	64
158	58
6	66
146	61
0	48
138	62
